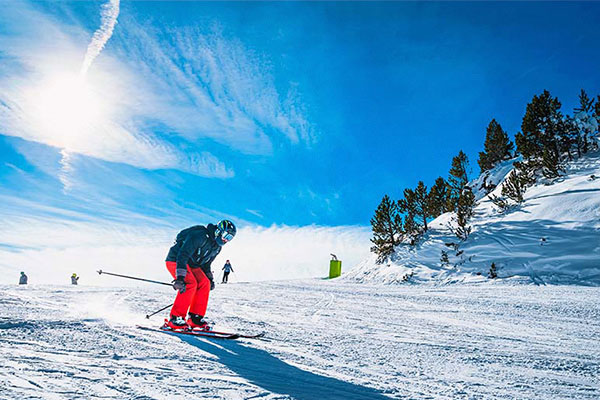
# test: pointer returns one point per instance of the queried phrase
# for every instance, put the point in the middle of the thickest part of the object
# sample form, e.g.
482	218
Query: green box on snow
335	268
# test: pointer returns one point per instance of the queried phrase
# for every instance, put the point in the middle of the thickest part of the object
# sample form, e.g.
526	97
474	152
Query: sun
67	109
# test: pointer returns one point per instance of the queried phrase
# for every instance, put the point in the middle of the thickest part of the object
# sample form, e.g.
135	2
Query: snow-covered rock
552	237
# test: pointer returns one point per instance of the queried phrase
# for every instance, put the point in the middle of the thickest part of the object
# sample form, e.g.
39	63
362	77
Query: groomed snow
326	339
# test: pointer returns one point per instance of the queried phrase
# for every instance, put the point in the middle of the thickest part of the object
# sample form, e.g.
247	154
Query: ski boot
197	323
176	323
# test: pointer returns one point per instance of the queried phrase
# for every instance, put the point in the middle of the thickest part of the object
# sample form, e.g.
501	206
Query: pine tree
411	228
585	103
387	229
493	274
573	135
550	164
416	203
458	173
464	212
438	198
457	179
585	123
541	127
422	203
499	202
444	260
497	147
514	187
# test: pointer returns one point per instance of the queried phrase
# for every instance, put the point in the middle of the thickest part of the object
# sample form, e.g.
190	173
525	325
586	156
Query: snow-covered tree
585	123
514	186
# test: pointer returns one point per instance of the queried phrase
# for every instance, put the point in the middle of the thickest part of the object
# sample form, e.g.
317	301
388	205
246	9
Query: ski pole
133	277
156	312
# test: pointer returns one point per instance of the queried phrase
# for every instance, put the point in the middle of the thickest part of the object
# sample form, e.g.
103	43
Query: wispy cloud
110	13
154	99
65	170
219	89
255	213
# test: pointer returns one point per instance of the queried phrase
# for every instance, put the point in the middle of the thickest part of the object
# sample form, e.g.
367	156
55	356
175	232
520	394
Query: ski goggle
226	237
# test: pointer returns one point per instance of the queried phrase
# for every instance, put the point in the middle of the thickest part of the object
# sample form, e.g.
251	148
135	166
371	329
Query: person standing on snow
227	268
74	279
23	279
189	261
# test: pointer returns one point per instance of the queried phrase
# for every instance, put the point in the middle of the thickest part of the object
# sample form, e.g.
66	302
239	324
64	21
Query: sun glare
67	109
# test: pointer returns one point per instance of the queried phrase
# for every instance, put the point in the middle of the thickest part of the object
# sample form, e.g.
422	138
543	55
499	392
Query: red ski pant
195	297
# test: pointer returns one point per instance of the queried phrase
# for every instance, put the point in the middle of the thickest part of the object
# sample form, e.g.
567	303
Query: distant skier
189	261
74	279
227	268
23	279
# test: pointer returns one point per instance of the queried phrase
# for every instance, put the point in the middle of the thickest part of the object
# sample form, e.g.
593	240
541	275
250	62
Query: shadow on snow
262	369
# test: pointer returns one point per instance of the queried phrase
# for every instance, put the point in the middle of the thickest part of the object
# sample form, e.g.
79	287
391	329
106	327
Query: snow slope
553	237
326	339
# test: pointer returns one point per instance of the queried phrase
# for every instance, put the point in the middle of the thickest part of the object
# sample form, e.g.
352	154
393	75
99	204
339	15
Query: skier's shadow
262	369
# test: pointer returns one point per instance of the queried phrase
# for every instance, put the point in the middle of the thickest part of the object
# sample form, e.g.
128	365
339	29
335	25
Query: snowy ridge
553	237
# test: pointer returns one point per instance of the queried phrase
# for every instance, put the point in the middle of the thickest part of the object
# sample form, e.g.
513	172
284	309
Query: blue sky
285	113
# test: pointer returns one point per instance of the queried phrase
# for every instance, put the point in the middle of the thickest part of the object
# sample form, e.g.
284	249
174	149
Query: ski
210	334
258	335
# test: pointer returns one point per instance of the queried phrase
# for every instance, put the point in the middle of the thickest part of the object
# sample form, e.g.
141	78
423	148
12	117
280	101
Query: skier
227	268
74	279
189	261
23	279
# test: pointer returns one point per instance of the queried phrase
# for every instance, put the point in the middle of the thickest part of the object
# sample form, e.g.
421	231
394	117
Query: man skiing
227	268
189	261
23	279
74	279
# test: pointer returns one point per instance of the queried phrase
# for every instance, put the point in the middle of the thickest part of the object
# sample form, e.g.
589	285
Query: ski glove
179	284
209	275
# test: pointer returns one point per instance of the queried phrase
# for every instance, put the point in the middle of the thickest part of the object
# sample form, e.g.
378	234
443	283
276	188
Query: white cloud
220	90
292	252
156	96
255	213
51	248
109	15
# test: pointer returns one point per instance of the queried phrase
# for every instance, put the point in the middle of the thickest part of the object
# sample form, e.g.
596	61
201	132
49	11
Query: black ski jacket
195	246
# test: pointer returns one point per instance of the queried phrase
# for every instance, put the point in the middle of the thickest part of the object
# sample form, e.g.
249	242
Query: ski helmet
225	230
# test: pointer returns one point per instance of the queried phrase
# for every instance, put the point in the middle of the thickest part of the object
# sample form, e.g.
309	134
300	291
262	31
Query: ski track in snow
325	339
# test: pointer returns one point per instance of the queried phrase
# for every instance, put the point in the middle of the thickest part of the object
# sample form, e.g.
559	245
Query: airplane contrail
110	12
108	20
